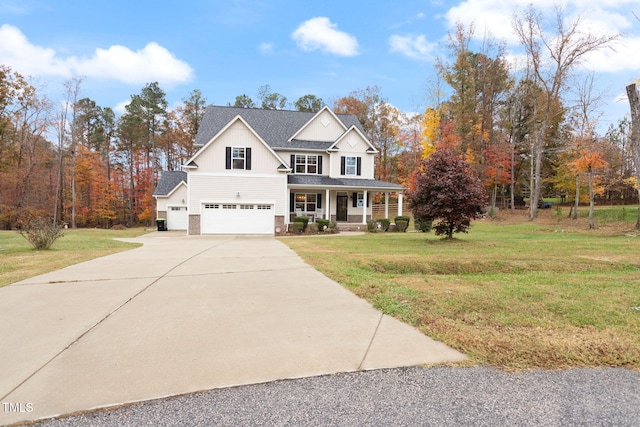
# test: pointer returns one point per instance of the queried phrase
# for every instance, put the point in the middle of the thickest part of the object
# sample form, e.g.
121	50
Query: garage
237	218
177	218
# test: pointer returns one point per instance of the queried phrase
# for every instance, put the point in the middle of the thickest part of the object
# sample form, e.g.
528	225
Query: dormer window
306	163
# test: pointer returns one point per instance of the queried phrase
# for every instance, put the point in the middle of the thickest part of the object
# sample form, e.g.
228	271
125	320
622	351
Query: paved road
435	396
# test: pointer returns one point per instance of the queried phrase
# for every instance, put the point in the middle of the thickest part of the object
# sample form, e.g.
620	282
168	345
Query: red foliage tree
446	190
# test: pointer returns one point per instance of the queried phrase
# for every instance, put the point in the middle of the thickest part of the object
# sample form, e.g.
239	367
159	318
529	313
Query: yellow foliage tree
430	133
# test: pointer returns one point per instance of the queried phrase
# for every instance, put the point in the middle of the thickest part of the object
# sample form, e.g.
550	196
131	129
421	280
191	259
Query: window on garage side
238	158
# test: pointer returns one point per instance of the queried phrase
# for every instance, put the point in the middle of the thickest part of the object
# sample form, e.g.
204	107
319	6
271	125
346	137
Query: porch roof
328	182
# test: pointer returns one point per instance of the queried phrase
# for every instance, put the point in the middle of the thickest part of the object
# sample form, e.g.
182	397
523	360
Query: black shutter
292	202
342	165
247	152
293	163
359	166
319	201
319	165
228	163
355	200
368	198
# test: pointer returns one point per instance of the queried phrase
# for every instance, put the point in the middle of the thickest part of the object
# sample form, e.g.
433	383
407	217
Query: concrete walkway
183	314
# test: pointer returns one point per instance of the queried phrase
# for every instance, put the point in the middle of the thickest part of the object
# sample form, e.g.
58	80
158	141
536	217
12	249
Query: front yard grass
512	294
18	260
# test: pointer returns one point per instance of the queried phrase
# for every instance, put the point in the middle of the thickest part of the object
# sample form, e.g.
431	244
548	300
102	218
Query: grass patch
513	294
19	261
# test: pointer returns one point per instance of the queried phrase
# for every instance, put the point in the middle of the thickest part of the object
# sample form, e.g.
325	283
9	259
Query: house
171	199
255	170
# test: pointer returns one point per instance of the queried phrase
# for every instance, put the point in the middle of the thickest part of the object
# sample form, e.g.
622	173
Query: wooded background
532	132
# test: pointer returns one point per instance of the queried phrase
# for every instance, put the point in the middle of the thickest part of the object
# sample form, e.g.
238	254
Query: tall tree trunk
592	224
634	103
577	201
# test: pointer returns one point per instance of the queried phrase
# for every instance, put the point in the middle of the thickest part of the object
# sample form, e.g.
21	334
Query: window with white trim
238	158
350	165
306	163
306	202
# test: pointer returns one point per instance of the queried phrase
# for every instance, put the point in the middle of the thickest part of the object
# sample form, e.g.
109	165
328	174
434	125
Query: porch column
327	205
386	204
364	207
287	206
399	204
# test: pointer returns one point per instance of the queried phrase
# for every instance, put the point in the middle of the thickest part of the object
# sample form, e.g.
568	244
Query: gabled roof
191	162
275	127
322	110
169	181
371	148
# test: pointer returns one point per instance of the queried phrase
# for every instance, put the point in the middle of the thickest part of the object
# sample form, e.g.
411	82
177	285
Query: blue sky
327	48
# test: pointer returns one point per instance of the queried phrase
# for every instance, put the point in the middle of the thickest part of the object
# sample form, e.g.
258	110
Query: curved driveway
182	314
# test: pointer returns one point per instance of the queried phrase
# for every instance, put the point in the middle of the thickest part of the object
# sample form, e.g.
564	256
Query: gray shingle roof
325	181
169	181
276	127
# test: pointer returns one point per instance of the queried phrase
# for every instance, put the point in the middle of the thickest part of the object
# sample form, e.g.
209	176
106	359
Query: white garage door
177	218
237	218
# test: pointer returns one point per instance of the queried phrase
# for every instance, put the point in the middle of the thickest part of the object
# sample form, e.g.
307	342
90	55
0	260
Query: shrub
402	225
423	224
385	223
372	225
402	218
119	227
313	228
303	219
41	233
323	224
333	227
297	227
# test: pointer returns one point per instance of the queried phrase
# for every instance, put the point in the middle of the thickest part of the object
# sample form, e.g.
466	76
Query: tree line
530	132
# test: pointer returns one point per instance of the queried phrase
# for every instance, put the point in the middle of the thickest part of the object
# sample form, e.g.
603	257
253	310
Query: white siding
267	189
324	127
237	135
174	200
353	145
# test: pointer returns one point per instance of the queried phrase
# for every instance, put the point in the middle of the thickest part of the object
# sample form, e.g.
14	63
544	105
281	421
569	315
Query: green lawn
512	294
19	261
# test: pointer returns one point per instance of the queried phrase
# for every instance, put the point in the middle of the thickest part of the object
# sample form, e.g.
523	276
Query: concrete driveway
183	314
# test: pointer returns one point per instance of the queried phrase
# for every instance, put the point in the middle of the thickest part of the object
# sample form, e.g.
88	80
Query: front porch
347	207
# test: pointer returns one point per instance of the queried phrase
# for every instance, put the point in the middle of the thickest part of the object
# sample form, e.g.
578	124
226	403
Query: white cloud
320	34
152	63
266	48
495	17
414	47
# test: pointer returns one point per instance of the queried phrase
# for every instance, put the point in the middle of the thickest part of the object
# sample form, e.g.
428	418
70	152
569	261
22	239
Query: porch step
352	227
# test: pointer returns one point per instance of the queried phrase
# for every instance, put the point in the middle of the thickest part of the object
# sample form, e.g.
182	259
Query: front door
341	209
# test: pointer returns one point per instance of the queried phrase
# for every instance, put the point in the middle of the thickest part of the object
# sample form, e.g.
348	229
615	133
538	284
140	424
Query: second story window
238	158
350	165
306	163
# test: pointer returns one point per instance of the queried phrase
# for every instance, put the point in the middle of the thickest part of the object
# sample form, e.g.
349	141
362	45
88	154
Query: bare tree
634	103
552	57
